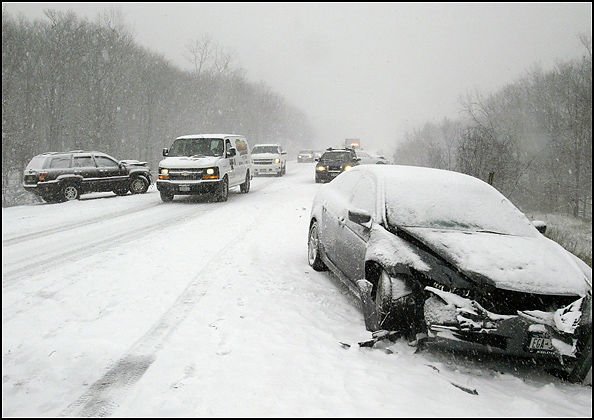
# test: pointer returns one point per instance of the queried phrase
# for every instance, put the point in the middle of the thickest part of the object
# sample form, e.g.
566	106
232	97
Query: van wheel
165	197
245	187
223	193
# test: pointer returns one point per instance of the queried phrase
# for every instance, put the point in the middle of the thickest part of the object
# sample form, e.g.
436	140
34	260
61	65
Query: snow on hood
189	162
525	264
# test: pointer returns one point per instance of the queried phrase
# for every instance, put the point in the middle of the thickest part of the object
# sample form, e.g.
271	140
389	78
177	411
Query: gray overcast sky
367	70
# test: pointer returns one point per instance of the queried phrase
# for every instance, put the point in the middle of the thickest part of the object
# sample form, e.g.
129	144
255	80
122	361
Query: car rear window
37	162
265	149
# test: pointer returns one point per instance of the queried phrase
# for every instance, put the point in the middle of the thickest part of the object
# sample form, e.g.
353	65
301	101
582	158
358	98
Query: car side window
60	162
103	161
364	196
84	162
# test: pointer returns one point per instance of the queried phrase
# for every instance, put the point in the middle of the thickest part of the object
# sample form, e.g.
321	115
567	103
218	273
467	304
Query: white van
205	163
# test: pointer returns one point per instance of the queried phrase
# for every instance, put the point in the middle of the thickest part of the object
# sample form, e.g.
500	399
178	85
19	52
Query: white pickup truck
269	159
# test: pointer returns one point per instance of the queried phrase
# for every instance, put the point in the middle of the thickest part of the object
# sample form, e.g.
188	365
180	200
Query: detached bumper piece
564	334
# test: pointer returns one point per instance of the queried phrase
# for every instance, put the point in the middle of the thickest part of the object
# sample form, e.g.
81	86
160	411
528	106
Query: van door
232	173
243	159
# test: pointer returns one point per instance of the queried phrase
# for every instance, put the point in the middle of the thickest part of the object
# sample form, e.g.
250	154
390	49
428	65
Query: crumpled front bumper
557	334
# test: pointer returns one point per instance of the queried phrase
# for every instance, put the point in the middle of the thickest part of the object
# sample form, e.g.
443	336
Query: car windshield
265	149
197	147
336	157
418	197
305	152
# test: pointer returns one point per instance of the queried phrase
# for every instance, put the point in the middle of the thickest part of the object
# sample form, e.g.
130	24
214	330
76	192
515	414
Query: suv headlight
320	168
277	160
347	167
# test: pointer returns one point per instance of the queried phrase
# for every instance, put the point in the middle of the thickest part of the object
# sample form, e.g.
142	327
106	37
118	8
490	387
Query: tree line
70	83
532	139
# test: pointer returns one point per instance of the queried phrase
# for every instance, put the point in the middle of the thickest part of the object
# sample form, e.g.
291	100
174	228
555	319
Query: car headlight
347	167
210	171
320	168
276	160
164	171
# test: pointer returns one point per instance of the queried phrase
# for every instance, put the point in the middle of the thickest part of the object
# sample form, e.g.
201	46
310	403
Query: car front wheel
313	249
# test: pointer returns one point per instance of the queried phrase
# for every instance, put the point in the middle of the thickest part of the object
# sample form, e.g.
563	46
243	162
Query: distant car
305	156
445	257
63	176
269	159
371	158
317	154
333	162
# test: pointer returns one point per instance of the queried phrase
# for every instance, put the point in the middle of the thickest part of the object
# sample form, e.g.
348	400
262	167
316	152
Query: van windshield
197	147
265	149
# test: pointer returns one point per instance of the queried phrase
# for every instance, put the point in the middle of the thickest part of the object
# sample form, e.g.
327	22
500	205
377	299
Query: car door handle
341	221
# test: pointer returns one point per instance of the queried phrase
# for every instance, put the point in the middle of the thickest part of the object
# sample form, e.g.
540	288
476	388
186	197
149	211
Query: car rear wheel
139	185
245	187
121	191
70	192
313	249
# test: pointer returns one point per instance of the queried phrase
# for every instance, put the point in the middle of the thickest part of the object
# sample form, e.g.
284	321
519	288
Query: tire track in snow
65	228
102	397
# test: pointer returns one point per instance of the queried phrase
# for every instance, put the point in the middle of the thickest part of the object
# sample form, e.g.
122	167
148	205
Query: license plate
184	188
540	344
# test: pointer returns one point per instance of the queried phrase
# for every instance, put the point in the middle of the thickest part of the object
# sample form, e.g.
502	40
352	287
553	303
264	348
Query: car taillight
42	176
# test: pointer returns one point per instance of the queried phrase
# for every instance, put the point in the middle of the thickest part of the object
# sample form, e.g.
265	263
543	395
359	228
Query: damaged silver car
443	255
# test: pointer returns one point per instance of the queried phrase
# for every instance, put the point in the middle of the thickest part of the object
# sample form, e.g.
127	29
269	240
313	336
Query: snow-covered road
127	306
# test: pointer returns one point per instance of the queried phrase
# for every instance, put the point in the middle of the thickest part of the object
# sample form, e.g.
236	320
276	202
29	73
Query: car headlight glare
320	168
210	171
276	160
347	167
164	171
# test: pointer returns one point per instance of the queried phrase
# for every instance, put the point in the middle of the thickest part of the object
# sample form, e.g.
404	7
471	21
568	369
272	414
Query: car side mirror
357	159
317	159
360	217
231	152
540	225
165	151
283	153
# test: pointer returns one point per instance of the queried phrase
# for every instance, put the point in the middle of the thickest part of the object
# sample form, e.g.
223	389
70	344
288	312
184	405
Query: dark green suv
63	176
334	162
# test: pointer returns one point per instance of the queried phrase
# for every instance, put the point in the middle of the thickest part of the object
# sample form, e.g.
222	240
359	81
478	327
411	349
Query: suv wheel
139	185
70	192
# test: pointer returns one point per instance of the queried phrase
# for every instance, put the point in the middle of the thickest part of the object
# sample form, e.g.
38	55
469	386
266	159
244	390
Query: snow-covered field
127	306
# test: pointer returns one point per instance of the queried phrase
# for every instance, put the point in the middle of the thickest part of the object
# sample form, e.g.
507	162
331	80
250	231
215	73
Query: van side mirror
283	153
165	151
540	225
231	152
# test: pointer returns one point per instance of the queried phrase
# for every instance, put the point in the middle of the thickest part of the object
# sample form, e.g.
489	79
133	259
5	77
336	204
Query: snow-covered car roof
436	198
